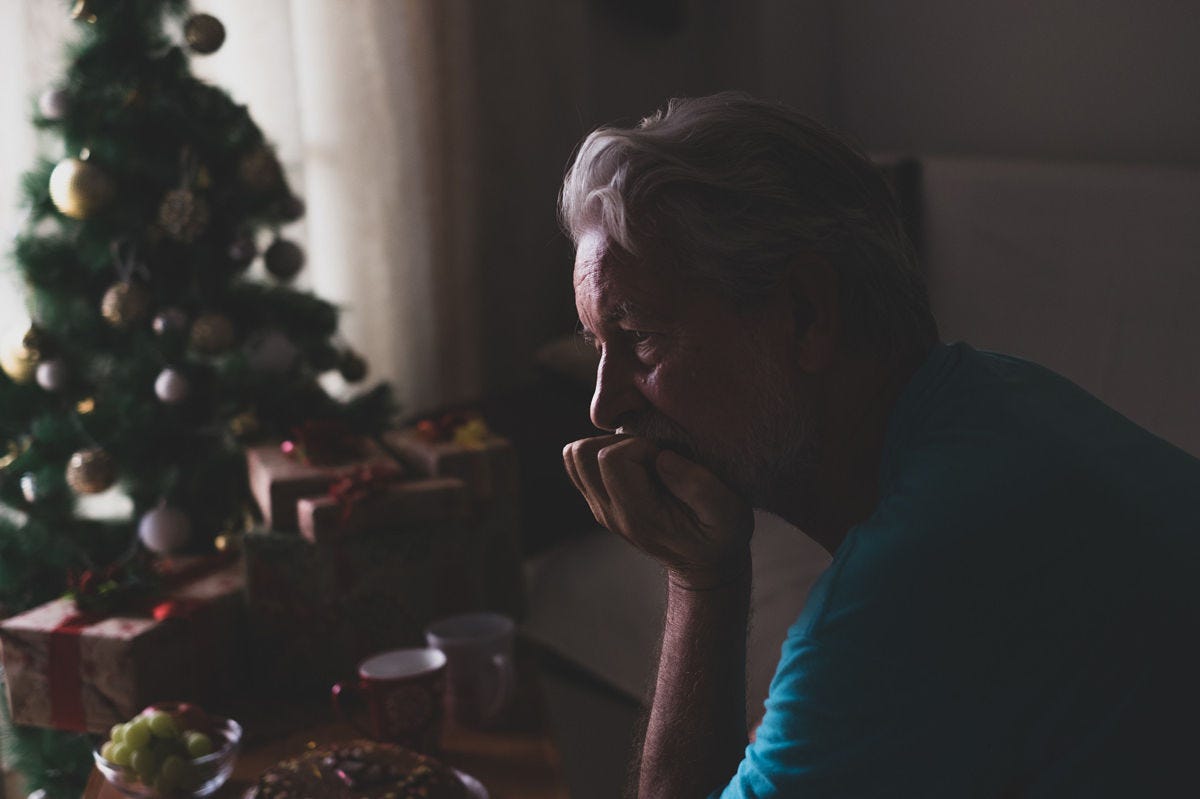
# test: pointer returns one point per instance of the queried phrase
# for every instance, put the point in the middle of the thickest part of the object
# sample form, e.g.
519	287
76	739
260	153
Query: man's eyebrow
627	309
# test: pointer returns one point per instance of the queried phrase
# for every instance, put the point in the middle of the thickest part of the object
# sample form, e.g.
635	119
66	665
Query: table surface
516	760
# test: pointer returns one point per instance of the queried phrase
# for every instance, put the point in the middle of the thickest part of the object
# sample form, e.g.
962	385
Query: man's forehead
612	287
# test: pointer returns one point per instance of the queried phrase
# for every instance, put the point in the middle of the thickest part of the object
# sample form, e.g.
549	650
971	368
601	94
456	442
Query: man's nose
616	394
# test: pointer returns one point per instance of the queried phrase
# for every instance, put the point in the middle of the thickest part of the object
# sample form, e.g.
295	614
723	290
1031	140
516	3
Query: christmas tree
154	356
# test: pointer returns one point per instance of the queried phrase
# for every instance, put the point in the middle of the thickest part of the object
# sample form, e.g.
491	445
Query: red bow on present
444	428
323	442
362	485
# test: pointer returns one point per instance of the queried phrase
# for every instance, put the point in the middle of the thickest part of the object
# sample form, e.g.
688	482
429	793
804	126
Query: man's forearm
697	728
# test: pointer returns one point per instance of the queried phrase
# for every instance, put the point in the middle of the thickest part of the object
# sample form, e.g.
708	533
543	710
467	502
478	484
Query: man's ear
816	311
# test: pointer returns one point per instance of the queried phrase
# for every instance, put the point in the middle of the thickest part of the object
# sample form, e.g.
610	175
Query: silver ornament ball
171	386
165	530
273	353
53	104
52	374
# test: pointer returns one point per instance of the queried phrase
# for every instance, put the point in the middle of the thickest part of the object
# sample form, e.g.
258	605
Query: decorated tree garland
153	357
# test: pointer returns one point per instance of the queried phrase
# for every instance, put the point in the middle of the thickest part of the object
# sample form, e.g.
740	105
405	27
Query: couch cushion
599	602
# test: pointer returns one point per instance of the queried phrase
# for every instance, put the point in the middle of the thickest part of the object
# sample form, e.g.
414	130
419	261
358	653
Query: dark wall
550	71
1107	80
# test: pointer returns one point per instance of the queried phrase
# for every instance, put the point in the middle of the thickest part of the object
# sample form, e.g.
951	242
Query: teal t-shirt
1020	617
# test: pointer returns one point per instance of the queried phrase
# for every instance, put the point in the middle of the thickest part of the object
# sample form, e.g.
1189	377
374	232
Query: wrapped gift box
279	481
402	505
486	571
86	672
317	609
489	469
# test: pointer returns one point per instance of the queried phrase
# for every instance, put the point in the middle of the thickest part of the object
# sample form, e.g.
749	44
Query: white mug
480	678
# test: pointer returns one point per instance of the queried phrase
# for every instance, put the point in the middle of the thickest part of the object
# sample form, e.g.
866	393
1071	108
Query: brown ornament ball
91	471
284	259
125	304
352	367
259	171
80	189
204	33
212	334
183	215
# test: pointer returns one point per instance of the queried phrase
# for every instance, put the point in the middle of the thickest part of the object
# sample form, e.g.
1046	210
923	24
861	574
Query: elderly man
1012	607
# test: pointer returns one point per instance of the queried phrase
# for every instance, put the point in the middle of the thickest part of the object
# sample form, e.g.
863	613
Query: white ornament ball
165	530
40	793
53	104
29	487
273	353
170	320
171	386
52	374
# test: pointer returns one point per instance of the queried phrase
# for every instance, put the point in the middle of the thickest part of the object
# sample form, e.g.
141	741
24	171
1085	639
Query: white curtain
31	40
368	105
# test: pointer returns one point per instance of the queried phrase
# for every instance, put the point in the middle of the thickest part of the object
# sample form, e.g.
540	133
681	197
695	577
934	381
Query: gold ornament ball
245	425
212	334
19	357
80	189
83	11
204	33
125	304
259	171
183	215
91	471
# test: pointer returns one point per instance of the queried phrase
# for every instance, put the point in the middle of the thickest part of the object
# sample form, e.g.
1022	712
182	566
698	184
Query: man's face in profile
681	367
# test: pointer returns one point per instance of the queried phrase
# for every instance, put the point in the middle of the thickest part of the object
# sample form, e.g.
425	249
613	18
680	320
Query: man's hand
673	509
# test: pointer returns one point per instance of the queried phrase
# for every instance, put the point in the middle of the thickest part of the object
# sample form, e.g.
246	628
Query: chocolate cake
359	770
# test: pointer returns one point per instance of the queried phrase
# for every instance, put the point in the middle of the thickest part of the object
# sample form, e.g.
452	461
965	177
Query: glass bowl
206	775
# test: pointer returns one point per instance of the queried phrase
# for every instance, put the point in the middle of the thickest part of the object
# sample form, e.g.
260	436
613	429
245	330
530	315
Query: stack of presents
362	542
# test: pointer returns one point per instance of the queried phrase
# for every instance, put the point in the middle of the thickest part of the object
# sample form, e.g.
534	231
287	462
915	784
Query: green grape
106	751
198	744
119	754
117	733
174	772
137	733
162	725
144	763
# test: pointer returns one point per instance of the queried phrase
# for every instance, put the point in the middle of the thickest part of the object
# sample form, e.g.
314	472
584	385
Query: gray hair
730	190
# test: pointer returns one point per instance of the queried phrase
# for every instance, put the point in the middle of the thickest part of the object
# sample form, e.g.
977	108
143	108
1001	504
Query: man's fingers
627	468
694	486
580	458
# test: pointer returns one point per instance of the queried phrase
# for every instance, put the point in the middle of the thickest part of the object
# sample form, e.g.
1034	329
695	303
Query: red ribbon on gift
361	486
66	695
65	659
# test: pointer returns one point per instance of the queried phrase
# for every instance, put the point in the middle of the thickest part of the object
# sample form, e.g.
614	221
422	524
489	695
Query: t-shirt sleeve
854	724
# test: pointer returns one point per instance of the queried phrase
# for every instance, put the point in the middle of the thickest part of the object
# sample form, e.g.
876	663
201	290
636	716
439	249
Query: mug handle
349	692
502	666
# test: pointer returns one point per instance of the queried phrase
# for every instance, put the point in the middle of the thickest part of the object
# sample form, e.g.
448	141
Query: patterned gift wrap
486	571
385	507
87	671
279	480
317	609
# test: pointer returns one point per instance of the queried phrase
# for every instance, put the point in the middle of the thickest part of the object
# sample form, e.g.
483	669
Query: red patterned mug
403	690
